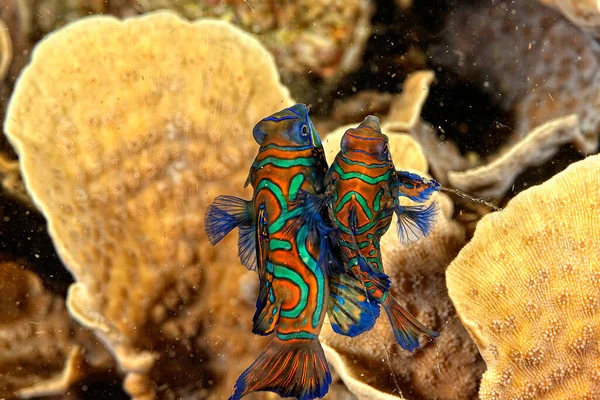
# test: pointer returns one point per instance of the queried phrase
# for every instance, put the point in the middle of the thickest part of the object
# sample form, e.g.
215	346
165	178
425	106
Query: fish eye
304	130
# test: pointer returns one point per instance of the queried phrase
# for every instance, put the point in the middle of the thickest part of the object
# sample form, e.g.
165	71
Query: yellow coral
527	288
123	140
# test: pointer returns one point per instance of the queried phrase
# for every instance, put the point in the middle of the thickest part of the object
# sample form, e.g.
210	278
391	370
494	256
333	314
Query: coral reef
535	63
132	154
372	365
126	137
321	37
405	117
494	179
10	180
5	50
527	288
583	13
43	350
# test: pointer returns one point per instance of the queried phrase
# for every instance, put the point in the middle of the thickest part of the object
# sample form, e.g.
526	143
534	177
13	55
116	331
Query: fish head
366	143
291	126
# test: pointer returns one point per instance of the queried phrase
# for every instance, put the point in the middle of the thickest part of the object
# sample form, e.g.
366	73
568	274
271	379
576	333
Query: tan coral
372	365
155	121
43	350
405	117
527	288
317	37
11	181
529	58
583	13
5	50
495	179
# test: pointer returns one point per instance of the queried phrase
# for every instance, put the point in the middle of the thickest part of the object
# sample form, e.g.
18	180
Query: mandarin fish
363	190
297	284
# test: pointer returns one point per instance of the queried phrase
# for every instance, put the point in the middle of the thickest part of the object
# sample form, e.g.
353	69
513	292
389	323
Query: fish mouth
371	122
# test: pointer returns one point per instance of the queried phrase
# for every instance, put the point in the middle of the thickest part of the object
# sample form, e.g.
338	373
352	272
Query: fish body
362	191
295	280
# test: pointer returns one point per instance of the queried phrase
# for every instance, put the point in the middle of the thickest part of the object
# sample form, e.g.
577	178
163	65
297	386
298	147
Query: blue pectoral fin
329	258
247	246
224	214
349	308
415	222
415	187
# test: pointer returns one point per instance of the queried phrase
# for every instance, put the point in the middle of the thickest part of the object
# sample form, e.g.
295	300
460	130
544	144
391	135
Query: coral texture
43	350
527	288
583	13
321	37
532	60
123	161
495	179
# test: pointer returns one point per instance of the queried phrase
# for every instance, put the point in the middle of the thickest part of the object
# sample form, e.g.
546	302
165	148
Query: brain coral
527	288
123	141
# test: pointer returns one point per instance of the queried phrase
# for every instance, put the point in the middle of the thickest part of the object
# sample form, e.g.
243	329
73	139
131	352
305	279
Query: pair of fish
312	233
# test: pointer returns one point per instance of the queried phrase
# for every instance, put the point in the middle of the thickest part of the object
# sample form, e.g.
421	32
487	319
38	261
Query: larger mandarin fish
363	189
294	274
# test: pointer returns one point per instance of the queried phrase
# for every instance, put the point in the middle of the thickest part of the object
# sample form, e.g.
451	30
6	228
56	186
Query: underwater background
123	120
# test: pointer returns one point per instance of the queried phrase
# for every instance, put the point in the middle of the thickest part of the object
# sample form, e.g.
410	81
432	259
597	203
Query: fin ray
405	326
223	215
247	246
294	368
415	222
349	308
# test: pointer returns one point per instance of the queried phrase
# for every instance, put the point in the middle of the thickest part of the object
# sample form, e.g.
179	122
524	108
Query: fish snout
371	122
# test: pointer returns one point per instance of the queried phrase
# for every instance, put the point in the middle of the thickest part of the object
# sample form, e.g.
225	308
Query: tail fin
406	327
294	368
224	214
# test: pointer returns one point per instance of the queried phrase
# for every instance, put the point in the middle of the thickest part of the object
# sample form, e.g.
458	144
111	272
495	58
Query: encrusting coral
43	350
11	181
583	13
372	365
495	179
325	38
531	60
123	161
5	50
527	288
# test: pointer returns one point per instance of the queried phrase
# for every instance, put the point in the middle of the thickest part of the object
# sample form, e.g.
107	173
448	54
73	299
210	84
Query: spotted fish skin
294	287
362	191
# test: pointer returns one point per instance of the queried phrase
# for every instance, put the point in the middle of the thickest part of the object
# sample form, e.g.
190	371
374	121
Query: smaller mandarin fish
362	195
297	283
